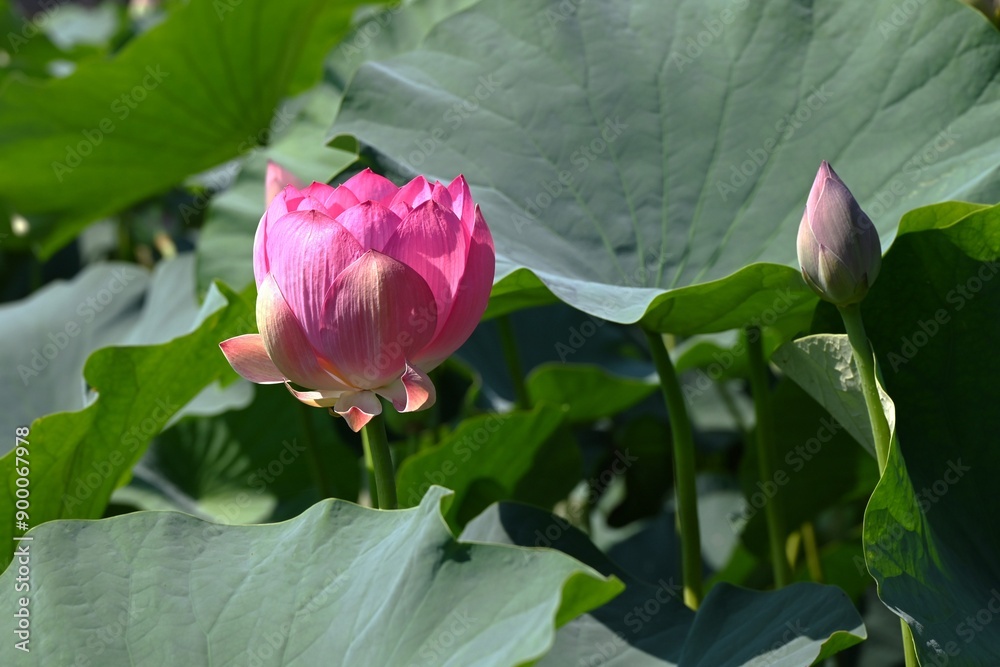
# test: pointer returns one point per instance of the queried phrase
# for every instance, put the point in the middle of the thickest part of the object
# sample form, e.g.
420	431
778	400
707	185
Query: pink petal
358	408
248	357
287	200
306	251
471	299
334	200
369	186
411	392
371	223
410	196
277	179
822	174
462	203
377	311
432	242
316	399
440	194
286	343
309	203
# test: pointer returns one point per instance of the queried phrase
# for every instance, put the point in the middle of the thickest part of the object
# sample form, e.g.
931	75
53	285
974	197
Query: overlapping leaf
343	585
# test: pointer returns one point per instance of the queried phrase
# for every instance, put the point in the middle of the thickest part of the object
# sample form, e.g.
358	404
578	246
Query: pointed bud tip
837	245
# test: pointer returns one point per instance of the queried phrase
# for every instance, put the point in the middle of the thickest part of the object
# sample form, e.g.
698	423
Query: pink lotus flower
363	289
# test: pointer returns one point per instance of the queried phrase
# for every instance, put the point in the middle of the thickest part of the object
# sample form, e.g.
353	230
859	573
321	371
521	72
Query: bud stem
377	454
764	431
864	357
684	469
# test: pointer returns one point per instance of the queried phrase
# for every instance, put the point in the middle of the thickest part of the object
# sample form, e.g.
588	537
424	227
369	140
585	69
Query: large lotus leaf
650	160
338	585
932	317
196	90
49	335
78	458
386	31
649	626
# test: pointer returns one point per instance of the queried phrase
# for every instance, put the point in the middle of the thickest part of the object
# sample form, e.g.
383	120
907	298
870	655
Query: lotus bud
838	245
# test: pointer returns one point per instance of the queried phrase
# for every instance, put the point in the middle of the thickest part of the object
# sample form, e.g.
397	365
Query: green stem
909	648
513	358
379	459
865	359
764	431
684	470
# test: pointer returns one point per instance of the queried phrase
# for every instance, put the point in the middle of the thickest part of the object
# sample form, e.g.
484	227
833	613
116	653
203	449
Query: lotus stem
764	432
684	469
379	459
864	357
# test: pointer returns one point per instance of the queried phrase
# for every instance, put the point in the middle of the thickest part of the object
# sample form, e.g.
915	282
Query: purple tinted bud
838	246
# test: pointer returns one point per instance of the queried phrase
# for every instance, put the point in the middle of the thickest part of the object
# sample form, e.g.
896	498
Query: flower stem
684	469
377	453
764	431
513	358
864	357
